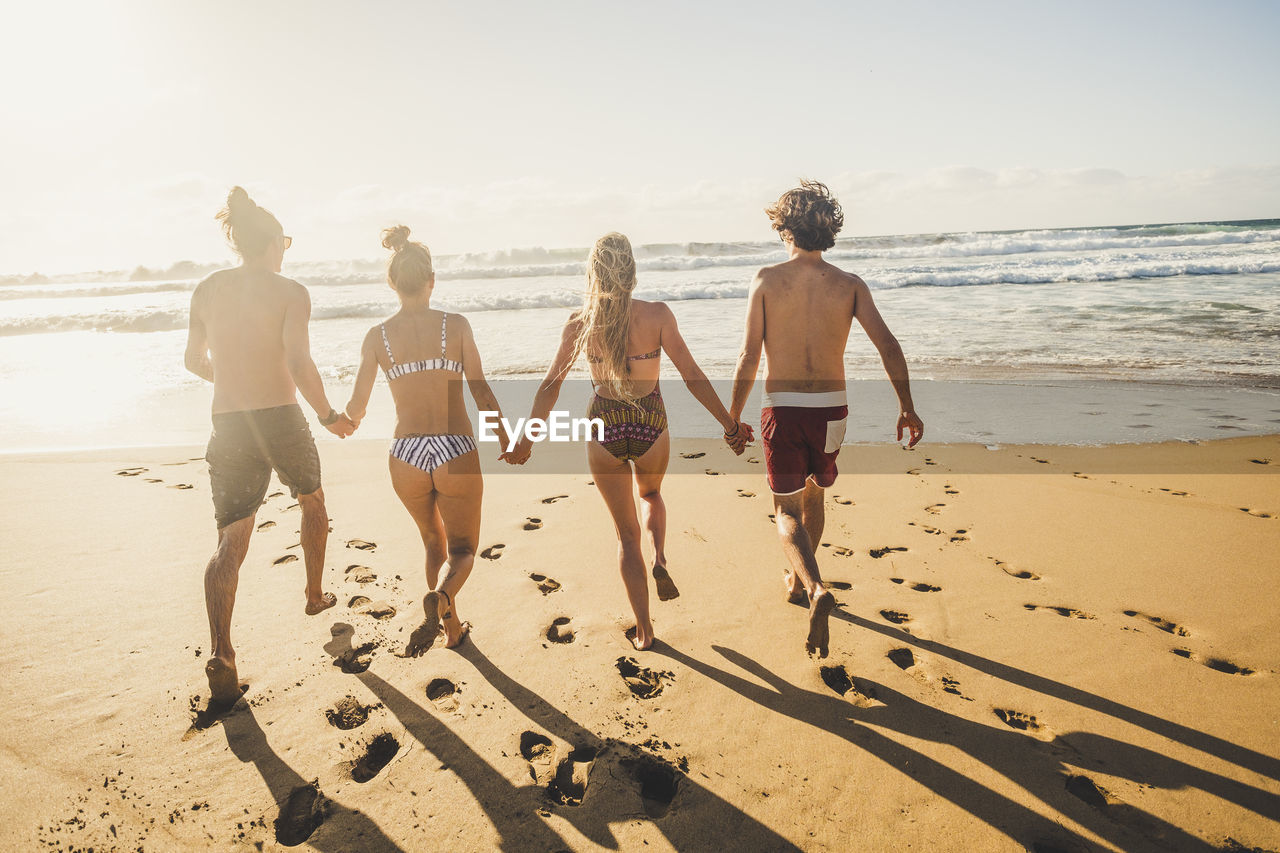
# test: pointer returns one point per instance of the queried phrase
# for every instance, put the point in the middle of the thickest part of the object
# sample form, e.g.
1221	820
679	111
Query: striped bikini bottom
429	452
629	429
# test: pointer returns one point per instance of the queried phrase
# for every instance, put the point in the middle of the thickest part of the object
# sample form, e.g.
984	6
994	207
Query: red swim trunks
800	443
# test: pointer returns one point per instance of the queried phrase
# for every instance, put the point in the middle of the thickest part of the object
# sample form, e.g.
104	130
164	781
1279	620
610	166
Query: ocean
1050	335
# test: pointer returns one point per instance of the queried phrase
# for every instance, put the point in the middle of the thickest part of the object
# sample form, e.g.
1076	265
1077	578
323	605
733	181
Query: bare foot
424	636
641	642
666	586
452	641
326	601
819	634
796	593
224	683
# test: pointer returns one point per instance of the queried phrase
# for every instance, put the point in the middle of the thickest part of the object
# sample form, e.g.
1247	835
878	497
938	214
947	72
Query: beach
1042	647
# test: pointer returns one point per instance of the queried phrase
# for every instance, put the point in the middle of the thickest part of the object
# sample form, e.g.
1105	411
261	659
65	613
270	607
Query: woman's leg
613	479
650	469
416	490
459	494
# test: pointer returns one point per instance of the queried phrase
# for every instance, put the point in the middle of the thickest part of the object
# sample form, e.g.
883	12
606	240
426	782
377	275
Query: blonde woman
435	467
623	340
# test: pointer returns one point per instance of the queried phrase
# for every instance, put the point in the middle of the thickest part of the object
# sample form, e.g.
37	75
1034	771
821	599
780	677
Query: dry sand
1023	660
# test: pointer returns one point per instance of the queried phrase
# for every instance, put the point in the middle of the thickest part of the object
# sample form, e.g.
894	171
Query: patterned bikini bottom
429	452
630	429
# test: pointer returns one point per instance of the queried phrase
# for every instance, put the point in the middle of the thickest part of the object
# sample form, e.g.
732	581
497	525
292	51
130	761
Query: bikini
630	429
422	451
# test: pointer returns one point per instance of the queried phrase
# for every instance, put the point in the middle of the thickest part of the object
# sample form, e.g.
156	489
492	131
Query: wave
1081	270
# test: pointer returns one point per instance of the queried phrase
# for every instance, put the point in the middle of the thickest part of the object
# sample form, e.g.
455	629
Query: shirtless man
801	311
248	336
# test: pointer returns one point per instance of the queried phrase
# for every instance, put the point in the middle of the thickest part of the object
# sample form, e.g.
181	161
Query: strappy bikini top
595	360
441	363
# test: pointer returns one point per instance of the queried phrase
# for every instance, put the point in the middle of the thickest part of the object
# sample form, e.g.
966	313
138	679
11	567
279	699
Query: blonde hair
248	227
409	270
605	317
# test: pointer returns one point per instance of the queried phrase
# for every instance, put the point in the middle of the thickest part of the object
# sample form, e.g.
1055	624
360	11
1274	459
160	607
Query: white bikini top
441	363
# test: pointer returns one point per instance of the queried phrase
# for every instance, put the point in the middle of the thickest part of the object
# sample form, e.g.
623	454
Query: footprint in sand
554	498
130	472
1176	493
546	585
152	480
377	755
379	610
914	472
1260	461
960	536
743	493
877	553
934	509
692	455
842	585
348	713
925	587
1068	612
902	658
666	587
1161	623
573	774
1255	512
843	501
951	490
355	660
838	550
926	528
443	693
1020	574
659	782
266	525
538	750
895	616
287	558
644	683
533	523
1084	788
1017	720
753	460
493	552
837	678
1080	476
358	601
1223	665
301	814
361	545
182	486
711	473
359	574
952	686
560	632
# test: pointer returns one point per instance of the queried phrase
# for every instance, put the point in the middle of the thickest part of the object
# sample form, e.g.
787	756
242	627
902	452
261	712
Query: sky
491	125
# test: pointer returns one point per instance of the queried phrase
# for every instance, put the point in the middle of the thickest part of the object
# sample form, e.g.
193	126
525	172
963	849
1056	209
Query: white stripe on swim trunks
802	399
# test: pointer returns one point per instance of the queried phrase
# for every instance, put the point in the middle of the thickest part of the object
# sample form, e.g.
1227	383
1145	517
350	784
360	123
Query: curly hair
809	216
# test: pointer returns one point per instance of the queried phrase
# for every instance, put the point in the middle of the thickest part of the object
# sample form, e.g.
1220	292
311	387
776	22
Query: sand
1078	652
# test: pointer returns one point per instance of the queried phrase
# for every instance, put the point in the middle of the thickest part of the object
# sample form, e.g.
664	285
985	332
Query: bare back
428	402
644	336
808	308
243	315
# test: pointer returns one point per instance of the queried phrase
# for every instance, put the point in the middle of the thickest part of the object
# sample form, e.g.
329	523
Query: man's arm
197	355
749	359
297	355
895	364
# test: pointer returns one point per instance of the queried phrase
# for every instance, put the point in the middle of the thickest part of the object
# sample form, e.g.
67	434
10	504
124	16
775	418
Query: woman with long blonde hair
623	339
435	466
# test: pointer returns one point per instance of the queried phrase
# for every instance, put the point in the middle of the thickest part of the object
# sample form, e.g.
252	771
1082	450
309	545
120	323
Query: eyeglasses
288	241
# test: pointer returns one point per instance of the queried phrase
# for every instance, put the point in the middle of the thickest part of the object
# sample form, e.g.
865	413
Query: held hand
738	437
519	454
912	423
342	427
